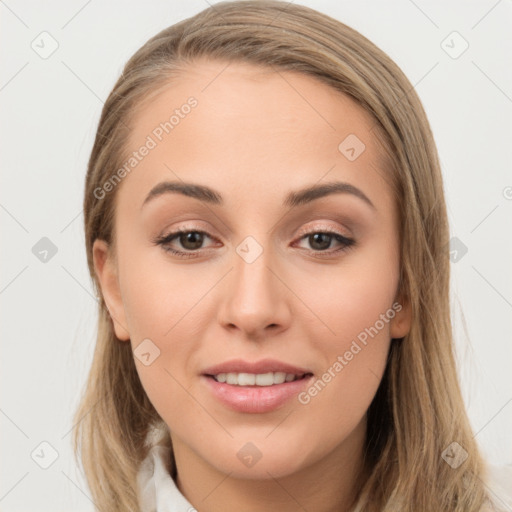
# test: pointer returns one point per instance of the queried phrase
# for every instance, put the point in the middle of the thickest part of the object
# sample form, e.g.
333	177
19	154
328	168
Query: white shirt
159	492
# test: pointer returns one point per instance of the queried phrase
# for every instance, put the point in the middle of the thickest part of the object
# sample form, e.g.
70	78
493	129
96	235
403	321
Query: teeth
251	379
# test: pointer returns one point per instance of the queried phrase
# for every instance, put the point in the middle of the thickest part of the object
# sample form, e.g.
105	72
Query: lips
244	386
256	367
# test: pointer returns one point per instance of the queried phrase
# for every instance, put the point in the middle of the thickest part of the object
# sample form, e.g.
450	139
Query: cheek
354	362
347	298
163	303
354	302
158	295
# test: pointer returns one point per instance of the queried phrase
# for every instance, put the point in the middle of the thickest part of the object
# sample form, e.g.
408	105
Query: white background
50	109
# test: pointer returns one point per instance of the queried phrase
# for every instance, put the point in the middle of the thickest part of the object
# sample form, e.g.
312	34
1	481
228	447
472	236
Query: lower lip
255	399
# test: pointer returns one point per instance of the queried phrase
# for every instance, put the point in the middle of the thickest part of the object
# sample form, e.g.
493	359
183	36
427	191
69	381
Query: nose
255	298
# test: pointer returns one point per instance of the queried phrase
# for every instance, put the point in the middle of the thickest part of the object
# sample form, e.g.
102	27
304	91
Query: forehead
252	129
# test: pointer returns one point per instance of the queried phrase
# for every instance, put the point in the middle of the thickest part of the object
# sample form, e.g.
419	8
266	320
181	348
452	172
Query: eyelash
348	243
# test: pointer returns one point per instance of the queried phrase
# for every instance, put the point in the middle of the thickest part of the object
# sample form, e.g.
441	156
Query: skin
254	136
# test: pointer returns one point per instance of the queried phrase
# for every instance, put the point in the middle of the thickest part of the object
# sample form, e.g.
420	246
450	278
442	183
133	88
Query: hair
418	410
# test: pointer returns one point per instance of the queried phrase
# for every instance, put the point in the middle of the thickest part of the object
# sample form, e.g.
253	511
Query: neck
329	484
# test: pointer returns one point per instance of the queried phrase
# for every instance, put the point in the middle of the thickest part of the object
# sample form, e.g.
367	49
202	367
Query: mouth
256	393
257	379
255	387
265	372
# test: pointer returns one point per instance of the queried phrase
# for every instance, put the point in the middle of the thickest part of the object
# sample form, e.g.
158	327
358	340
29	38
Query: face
305	287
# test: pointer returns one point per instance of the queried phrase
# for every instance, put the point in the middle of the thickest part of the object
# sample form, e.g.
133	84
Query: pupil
318	237
192	237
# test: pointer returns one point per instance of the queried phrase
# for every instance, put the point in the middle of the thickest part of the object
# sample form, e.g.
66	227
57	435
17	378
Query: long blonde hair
418	410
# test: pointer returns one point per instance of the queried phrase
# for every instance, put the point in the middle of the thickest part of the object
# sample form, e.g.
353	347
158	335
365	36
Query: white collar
158	490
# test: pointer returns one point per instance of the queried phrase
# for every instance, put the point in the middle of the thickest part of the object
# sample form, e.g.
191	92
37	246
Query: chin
266	468
262	458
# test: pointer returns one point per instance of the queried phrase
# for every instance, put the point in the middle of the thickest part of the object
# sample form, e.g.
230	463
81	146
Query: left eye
322	240
192	240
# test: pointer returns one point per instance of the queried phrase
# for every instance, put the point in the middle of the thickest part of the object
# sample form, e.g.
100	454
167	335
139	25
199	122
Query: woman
265	223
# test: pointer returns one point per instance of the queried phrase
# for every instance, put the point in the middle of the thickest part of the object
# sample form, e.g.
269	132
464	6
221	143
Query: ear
106	273
400	324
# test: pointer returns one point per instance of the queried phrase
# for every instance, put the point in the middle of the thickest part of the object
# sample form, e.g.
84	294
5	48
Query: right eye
190	240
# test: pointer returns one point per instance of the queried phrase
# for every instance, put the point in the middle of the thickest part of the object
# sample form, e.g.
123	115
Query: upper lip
256	367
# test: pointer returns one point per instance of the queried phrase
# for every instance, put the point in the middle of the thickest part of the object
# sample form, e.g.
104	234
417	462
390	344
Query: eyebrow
293	199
